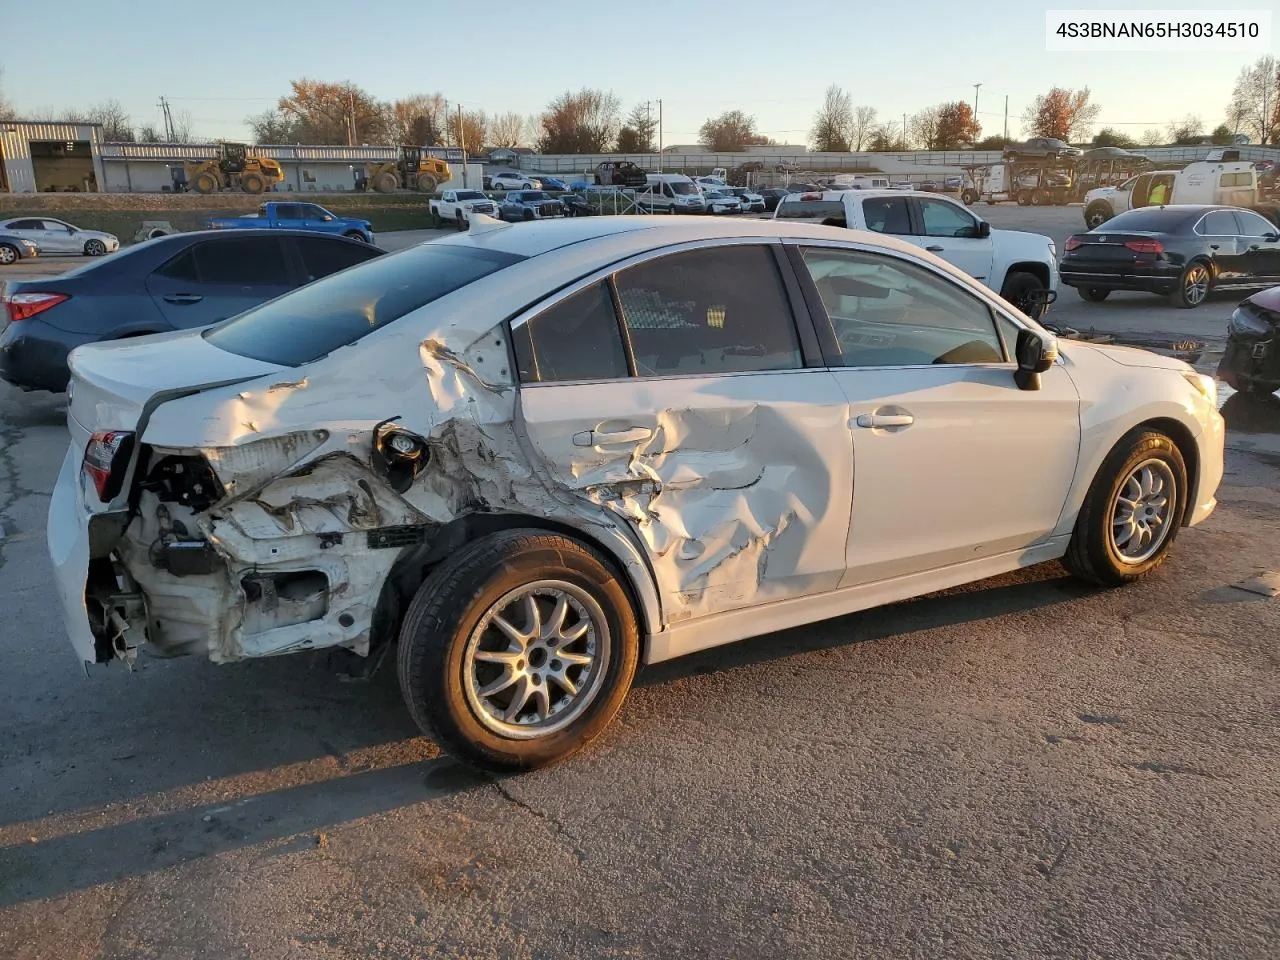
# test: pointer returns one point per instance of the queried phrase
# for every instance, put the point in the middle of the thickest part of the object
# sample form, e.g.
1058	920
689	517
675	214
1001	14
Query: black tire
459	220
1194	286
355	235
1024	199
252	183
1093	294
969	197
1097	215
9	255
450	606
436	222
94	248
527	216
1263	390
1019	289
386	183
1092	554
207	183
1038	198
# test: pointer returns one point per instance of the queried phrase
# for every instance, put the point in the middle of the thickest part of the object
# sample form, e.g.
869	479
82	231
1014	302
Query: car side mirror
327	217
1035	354
1271	237
71	229
984	229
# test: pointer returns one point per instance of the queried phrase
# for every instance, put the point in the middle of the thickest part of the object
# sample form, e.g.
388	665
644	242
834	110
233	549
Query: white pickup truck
456	207
1020	266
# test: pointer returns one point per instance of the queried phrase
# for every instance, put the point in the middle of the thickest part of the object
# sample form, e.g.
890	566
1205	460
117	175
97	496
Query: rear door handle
935	249
597	438
183	298
885	420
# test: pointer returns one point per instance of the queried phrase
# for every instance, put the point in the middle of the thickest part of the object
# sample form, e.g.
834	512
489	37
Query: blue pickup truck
296	216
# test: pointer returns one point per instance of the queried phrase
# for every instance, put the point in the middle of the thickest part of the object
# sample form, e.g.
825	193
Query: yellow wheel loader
233	168
414	169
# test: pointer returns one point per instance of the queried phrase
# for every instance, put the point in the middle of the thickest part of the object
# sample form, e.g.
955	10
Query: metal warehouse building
45	157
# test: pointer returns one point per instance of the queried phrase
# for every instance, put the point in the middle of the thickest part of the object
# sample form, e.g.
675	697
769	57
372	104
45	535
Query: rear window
818	210
317	319
1147	221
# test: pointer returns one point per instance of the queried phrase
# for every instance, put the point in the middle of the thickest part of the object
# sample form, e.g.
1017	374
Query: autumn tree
957	126
730	132
468	128
333	113
417	120
1186	132
833	123
1061	113
506	129
583	122
863	126
1109	137
1255	101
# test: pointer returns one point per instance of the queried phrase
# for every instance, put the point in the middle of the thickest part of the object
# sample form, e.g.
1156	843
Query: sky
697	57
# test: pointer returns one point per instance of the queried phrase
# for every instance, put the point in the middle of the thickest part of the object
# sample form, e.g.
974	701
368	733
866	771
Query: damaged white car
531	457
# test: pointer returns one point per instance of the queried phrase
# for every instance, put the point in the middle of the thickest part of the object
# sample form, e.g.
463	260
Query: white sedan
513	181
531	457
55	237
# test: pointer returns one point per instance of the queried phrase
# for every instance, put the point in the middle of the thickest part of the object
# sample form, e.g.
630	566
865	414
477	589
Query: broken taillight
106	458
24	306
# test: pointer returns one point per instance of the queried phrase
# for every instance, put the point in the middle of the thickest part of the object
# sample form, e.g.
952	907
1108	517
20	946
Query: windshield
317	319
532	195
683	189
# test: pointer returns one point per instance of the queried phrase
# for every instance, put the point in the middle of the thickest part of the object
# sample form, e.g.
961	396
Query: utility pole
904	132
462	142
168	119
659	134
648	126
975	107
1006	116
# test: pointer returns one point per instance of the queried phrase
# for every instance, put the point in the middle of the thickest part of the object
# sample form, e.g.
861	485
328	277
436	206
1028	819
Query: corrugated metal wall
15	148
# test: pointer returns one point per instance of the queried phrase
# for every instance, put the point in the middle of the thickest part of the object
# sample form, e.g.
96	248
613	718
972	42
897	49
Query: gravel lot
1022	768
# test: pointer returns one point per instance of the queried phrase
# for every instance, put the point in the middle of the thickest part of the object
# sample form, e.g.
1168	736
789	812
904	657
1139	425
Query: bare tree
149	133
1152	138
864	125
507	130
532	130
1187	131
583	122
1061	113
637	133
6	108
469	129
1255	101
272	126
181	128
117	127
833	123
417	120
924	127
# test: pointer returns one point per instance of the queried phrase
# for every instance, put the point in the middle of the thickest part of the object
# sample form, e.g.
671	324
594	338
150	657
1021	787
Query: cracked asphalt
1021	768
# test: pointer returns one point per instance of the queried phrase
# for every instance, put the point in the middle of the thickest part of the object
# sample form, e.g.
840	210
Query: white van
859	182
670	193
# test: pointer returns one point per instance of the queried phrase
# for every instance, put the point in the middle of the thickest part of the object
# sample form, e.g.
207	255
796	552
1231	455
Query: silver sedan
55	237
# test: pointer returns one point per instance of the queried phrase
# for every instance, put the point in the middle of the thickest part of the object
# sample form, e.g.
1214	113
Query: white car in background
720	201
1022	267
55	237
532	457
514	181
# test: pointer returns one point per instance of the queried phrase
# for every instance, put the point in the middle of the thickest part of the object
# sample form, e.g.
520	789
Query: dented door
739	487
674	394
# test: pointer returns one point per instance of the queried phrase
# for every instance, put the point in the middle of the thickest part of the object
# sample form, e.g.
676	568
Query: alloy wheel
1142	515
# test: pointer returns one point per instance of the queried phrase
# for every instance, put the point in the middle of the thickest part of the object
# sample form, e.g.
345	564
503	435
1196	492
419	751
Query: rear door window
242	261
887	215
317	319
322	256
288	211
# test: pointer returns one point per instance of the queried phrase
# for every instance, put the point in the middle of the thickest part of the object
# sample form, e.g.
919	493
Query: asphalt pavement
1020	768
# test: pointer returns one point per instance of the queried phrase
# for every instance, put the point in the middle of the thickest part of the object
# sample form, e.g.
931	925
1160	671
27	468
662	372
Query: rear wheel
518	650
386	183
969	197
252	183
1264	389
1024	198
426	185
1093	294
1039	198
435	219
1193	287
1131	515
459	220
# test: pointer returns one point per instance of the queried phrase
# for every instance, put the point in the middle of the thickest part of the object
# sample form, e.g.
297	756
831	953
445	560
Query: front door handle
935	249
1213	246
183	298
871	420
597	438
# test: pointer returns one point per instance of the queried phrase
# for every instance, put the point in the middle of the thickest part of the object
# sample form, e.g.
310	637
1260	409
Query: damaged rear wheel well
413	566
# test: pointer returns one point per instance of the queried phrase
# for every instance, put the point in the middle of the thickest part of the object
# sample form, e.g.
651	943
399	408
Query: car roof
875	192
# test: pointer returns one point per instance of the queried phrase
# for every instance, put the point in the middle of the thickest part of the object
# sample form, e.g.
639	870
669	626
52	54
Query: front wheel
355	235
1025	291
1096	216
1131	514
969	197
8	254
518	650
94	248
1193	287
